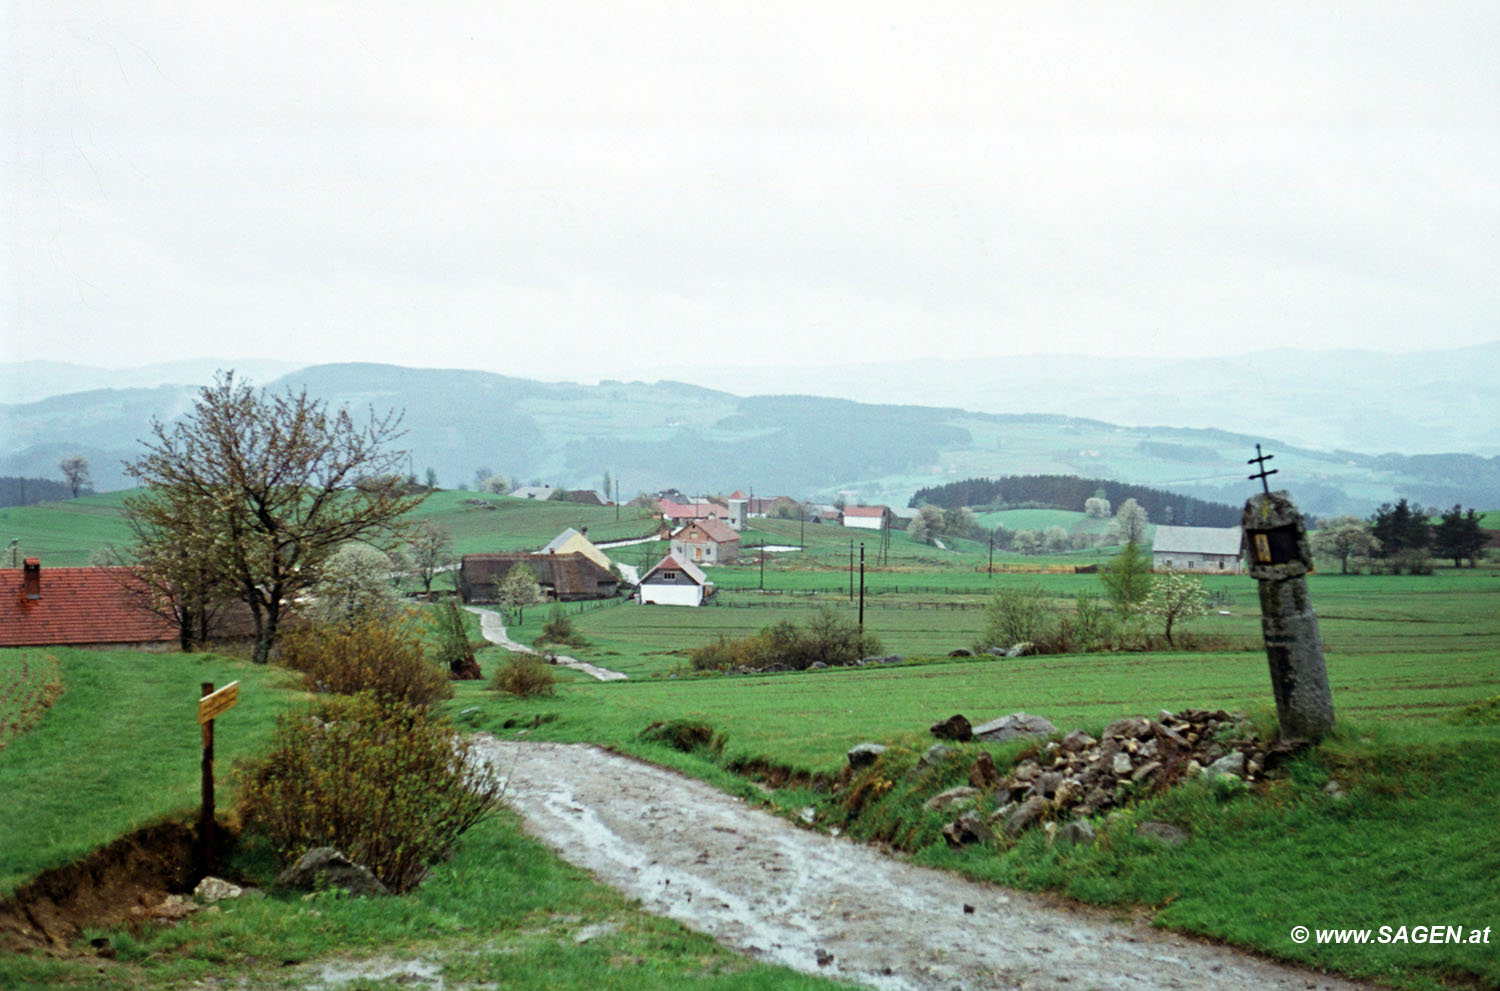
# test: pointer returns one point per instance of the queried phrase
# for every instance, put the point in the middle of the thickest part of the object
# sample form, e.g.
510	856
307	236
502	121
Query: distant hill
1422	402
31	381
648	436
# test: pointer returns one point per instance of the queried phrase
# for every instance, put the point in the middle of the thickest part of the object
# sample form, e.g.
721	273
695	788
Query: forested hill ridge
1071	492
653	435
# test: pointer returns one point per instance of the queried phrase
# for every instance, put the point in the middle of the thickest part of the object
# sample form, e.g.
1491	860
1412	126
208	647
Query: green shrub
559	629
524	675
372	654
1018	615
388	785
829	636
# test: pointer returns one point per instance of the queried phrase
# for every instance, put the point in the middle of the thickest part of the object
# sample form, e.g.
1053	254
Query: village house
540	492
563	577
705	542
867	517
678	513
78	607
1211	550
571	541
674	583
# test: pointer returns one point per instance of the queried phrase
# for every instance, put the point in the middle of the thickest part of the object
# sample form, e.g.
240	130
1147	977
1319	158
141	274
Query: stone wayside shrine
1279	559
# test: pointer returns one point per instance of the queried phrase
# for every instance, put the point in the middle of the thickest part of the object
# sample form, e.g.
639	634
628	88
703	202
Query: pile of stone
1080	776
1077	776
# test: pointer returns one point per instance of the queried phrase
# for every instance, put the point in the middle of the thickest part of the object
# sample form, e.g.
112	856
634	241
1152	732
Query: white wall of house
672	595
863	522
1181	561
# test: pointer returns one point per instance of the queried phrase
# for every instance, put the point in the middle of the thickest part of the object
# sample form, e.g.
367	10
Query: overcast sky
577	190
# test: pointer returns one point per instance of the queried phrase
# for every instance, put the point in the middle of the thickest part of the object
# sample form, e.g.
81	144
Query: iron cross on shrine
1261	459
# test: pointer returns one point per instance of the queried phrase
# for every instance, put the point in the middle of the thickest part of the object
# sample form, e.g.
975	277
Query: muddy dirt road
823	905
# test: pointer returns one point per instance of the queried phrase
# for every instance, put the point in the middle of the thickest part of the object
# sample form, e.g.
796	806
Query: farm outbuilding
675	583
867	517
1212	550
571	541
563	577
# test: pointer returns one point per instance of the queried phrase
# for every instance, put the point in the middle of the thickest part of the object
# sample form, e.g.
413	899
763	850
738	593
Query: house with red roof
867	517
78	607
705	542
678	513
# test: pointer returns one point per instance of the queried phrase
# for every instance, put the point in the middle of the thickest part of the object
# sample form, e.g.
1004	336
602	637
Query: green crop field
66	534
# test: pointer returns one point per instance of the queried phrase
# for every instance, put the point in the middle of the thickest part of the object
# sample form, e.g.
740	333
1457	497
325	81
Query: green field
1406	656
1387	664
70	534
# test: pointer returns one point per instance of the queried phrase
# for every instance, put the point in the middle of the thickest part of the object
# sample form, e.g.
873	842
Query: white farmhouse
1204	549
675	583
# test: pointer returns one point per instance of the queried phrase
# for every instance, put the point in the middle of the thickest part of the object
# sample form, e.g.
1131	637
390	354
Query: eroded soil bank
120	883
823	905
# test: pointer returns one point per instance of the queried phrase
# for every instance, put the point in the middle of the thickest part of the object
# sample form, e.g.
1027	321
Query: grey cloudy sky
577	190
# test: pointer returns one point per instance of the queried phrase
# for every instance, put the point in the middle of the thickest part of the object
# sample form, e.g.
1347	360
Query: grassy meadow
96	744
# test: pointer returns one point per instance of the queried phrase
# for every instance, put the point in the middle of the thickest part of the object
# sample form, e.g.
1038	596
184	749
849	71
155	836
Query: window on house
669	576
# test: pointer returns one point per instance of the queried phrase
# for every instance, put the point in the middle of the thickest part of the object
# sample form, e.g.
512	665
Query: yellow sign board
212	705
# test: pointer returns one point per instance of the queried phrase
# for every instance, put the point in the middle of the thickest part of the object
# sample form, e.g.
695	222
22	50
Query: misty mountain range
653	435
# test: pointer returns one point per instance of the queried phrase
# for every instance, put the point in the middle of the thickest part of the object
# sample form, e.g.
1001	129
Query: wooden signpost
211	704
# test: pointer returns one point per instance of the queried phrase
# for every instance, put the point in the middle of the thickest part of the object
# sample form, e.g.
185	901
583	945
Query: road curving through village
794	896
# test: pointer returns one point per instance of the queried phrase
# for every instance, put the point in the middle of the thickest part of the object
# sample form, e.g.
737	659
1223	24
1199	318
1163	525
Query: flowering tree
1176	597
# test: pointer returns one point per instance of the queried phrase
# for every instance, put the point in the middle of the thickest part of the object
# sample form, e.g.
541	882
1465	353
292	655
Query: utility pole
617	500
861	589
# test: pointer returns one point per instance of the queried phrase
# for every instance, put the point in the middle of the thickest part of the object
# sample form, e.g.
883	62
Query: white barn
867	517
1203	549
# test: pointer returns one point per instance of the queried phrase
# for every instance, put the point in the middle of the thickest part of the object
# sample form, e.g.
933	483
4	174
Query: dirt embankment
118	884
823	905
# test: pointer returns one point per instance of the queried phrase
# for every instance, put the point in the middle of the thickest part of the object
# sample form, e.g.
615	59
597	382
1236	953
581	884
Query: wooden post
210	704
206	813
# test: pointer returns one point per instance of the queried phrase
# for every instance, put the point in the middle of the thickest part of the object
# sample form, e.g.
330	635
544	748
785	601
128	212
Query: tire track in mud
818	904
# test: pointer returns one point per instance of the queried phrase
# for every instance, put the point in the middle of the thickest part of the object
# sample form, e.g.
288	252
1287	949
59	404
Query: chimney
585	531
31	584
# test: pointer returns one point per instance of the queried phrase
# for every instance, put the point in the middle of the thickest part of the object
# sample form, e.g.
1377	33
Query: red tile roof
865	510
77	606
690	511
715	530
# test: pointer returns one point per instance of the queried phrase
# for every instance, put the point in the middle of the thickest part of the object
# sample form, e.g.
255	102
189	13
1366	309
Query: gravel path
493	627
760	884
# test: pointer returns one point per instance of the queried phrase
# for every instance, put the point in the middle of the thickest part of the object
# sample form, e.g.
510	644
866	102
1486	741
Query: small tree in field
1344	537
1129	526
431	549
518	590
1176	598
1127	580
76	471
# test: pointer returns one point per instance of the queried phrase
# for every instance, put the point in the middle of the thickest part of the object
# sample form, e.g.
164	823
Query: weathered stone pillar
1279	557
